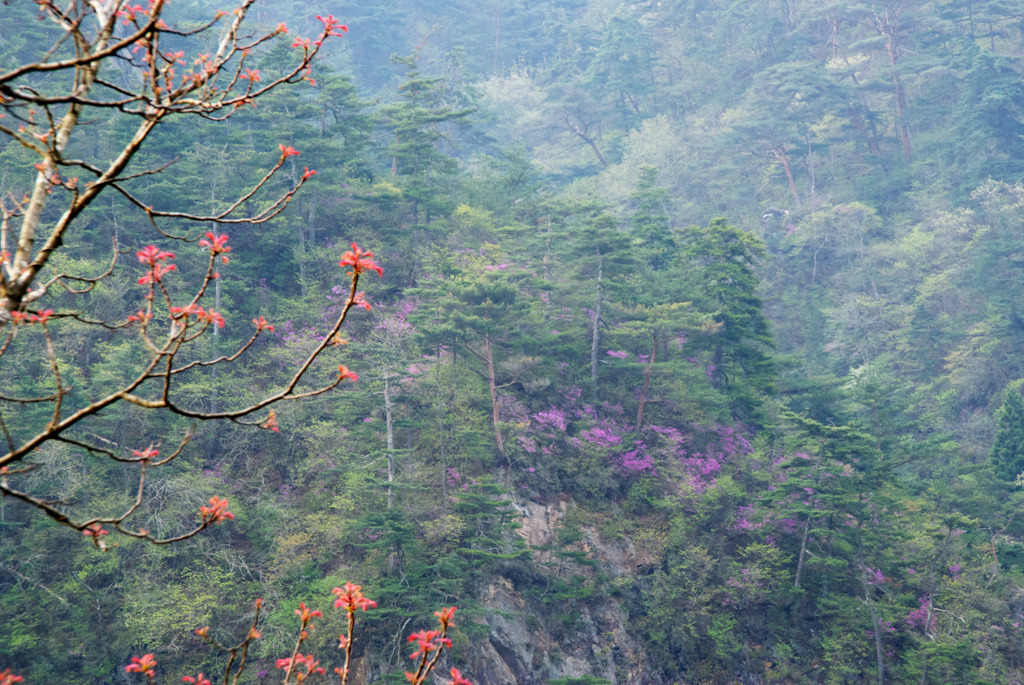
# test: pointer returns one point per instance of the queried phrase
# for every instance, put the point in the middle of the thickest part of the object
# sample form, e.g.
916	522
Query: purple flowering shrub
596	450
923	618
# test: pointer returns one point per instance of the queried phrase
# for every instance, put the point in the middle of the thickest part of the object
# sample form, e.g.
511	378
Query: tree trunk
809	163
595	340
440	433
901	114
495	417
647	386
391	436
593	146
718	377
302	236
872	137
583	131
814	266
393	552
858	124
547	247
85	77
879	655
931	598
888	28
780	154
803	555
309	222
497	34
924	654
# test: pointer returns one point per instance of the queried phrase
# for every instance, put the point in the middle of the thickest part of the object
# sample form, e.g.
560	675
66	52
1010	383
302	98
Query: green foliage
413	123
891	289
727	285
1008	449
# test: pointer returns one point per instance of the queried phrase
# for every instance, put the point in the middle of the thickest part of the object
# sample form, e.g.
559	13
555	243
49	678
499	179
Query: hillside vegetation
697	356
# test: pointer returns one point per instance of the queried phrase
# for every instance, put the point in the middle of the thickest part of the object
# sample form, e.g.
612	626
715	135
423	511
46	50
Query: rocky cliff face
582	636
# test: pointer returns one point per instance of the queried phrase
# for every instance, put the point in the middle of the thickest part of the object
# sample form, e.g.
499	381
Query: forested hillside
697	356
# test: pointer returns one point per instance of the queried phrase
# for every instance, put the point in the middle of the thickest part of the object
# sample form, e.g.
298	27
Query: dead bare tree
574	121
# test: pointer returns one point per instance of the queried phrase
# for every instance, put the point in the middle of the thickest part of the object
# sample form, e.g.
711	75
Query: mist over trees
696	356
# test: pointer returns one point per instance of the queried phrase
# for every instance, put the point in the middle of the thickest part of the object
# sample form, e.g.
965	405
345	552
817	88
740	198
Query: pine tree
419	121
1008	450
652	232
741	349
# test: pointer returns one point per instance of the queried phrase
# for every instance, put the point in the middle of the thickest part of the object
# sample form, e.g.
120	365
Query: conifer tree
415	121
1008	450
743	366
652	233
